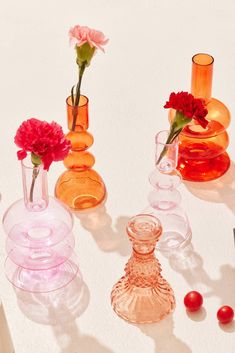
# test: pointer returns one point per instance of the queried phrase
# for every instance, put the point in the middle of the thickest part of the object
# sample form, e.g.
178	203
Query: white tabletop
148	56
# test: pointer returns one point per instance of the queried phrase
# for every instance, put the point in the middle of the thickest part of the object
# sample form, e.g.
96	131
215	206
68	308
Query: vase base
176	231
141	305
80	190
41	281
205	169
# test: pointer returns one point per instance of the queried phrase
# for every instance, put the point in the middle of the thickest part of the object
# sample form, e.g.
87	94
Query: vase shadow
71	340
221	190
163	336
59	306
109	237
189	264
59	309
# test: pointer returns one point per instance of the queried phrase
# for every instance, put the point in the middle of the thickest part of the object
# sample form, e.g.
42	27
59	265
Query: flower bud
84	54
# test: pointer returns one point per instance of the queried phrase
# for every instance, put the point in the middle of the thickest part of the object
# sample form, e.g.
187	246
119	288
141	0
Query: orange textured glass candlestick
202	152
142	295
80	187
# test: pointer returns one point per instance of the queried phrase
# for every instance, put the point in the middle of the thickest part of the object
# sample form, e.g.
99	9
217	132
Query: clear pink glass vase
39	241
165	198
142	295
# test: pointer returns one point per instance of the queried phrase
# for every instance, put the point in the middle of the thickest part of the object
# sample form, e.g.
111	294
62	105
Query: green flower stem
179	122
34	177
174	132
36	162
78	94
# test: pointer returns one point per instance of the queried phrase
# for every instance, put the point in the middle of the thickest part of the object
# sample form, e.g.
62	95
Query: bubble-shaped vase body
39	237
79	187
165	199
142	295
202	152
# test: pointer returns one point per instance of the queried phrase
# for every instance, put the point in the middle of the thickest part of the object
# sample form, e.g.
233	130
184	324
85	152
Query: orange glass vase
202	152
80	186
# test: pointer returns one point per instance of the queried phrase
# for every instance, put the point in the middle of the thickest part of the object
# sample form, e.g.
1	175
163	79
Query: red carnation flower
190	107
187	108
46	141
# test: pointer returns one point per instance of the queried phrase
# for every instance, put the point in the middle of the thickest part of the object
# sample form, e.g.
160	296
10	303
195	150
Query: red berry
225	314
193	301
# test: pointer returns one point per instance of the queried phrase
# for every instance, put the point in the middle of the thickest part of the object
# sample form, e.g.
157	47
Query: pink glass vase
165	198
39	241
142	295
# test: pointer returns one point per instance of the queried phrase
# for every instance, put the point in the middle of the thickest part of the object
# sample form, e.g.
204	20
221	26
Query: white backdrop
148	56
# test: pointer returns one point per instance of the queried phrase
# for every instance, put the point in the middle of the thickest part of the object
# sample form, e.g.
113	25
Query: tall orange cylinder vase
80	186
202	152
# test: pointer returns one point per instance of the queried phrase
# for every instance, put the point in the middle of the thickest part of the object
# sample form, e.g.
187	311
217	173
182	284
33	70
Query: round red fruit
225	314
193	301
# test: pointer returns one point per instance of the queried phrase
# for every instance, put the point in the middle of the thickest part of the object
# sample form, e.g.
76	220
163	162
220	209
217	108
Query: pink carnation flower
45	140
79	35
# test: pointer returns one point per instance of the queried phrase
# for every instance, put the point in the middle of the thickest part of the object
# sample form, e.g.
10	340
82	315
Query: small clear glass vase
165	198
39	241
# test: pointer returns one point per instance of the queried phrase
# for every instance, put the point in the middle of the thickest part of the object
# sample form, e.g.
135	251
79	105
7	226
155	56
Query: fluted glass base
142	304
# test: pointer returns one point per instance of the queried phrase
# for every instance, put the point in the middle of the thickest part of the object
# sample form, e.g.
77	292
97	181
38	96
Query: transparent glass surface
39	240
202	152
165	199
41	281
80	186
142	295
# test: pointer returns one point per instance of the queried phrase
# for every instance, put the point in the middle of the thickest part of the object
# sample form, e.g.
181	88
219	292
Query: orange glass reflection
202	152
80	187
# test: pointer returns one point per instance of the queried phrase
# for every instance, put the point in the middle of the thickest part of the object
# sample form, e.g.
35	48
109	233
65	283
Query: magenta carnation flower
44	140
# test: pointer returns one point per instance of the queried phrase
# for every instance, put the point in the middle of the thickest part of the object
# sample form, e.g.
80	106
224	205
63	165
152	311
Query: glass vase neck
202	72
144	231
166	156
34	186
80	113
